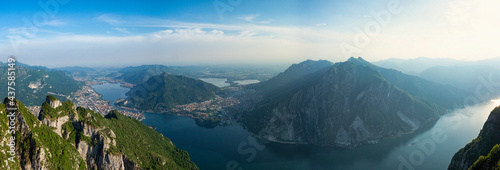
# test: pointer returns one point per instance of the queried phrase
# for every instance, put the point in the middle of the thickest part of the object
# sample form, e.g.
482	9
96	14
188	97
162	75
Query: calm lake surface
217	147
245	82
111	91
219	82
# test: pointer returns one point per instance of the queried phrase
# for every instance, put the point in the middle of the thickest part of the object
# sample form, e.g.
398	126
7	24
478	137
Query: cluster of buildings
216	104
86	97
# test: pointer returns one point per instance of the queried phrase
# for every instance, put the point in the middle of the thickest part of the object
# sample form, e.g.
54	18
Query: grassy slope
140	143
56	82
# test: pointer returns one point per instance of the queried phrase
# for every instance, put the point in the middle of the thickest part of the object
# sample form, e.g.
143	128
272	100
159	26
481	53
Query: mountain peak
53	101
361	62
359	59
293	73
314	62
356	90
91	142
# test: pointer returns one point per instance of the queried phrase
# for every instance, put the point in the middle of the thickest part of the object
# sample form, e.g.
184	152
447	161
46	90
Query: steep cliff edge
66	137
344	105
483	152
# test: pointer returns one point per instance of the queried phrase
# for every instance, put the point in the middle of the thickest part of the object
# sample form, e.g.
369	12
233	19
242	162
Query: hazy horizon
94	33
283	64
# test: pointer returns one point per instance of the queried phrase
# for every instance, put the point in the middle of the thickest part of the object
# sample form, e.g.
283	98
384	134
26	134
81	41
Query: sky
56	33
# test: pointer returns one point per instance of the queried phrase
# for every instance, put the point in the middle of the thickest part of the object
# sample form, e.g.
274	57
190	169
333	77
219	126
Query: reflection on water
245	82
219	82
431	148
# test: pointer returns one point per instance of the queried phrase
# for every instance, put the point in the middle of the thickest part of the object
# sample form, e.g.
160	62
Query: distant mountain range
67	137
478	79
418	65
472	79
140	74
484	151
75	69
164	91
34	83
345	104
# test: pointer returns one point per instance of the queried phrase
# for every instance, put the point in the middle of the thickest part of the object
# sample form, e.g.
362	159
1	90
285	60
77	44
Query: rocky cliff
66	137
344	105
482	152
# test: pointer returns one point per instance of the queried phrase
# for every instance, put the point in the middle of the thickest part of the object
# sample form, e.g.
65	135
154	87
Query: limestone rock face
65	137
56	124
54	103
95	154
98	157
344	105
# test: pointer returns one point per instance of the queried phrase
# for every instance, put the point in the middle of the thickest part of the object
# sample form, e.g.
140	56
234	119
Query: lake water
216	148
219	82
111	91
245	82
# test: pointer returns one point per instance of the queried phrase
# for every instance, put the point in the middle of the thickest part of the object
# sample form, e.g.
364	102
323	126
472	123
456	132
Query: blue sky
182	32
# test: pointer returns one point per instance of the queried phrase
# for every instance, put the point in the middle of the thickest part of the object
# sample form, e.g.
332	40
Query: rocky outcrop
86	130
482	146
53	102
67	138
95	152
36	152
56	124
346	105
99	157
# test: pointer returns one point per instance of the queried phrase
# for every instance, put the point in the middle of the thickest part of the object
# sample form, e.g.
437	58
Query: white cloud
256	18
438	29
217	32
55	23
122	30
30	32
265	21
110	19
250	17
190	44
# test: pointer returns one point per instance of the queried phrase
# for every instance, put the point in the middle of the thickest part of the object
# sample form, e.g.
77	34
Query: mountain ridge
167	91
67	137
307	114
33	85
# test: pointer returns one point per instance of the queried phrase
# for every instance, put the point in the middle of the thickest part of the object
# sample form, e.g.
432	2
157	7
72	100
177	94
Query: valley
278	112
250	85
455	124
214	148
